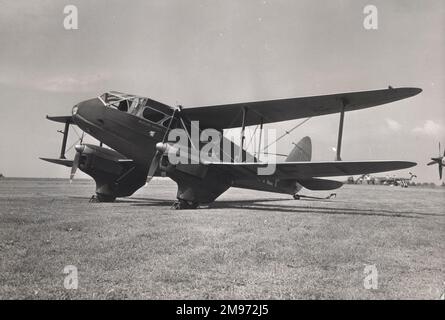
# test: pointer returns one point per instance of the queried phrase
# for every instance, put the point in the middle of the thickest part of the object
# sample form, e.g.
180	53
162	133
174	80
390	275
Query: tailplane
303	152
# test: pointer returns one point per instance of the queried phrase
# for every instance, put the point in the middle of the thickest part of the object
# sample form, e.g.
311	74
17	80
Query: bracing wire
286	133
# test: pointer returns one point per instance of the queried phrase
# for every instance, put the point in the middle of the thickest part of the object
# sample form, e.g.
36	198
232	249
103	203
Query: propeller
154	165
439	161
431	162
160	149
79	149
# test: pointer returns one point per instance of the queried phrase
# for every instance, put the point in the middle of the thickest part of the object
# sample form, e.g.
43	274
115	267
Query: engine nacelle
114	175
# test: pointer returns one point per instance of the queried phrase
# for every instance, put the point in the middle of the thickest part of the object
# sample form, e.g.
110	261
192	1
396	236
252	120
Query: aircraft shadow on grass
269	205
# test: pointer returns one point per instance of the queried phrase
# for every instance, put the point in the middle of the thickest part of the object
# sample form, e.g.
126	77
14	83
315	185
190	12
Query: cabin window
174	123
123	106
138	106
152	115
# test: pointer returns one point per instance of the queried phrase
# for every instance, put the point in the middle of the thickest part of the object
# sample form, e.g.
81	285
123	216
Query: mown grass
272	247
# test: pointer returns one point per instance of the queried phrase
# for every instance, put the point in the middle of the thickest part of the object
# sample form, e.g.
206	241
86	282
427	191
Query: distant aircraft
440	160
362	179
398	181
388	180
136	130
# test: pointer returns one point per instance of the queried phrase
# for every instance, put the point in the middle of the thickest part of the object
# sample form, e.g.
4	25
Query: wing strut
243	136
65	137
340	128
259	142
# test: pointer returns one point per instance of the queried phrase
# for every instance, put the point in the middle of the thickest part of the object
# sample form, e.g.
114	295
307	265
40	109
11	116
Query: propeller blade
154	166
431	163
75	166
159	151
440	171
79	149
440	153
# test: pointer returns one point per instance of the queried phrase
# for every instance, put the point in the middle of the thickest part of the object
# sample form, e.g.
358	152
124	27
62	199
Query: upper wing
230	115
305	170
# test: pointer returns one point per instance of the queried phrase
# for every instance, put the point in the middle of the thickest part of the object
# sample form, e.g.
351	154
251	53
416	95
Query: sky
204	52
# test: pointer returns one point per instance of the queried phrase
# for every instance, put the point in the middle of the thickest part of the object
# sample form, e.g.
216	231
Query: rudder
302	151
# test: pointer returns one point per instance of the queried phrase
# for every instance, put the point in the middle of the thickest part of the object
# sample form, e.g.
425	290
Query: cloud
393	124
429	128
70	84
64	83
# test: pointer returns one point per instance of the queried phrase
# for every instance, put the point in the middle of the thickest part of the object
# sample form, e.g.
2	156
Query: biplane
133	130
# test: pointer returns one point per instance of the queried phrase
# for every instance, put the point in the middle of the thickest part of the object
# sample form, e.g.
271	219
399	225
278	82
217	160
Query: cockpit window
145	108
123	105
153	115
111	99
124	102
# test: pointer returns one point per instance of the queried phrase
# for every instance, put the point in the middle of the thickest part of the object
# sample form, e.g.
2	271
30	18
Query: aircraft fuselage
136	137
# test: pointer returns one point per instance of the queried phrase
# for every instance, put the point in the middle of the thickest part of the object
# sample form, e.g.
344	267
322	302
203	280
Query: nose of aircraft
88	111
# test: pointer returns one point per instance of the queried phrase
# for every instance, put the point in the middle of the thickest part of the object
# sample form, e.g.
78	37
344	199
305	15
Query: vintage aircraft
440	160
393	181
135	129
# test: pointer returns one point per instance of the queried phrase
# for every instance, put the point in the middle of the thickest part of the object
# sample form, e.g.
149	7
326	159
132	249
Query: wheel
183	204
103	198
193	205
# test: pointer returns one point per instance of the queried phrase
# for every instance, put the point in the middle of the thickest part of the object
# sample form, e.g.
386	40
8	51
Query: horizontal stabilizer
63	162
320	184
61	119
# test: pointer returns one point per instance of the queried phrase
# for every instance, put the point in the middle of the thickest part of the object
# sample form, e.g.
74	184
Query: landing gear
183	204
102	198
298	197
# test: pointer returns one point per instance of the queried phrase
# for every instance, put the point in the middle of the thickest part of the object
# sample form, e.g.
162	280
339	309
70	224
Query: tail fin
302	151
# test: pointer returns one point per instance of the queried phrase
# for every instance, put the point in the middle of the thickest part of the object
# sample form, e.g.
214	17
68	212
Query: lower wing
303	170
63	162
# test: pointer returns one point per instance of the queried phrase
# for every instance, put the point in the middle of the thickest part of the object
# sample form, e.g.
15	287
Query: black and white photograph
228	151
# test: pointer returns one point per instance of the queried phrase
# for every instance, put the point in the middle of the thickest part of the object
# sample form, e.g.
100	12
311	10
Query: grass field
249	245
